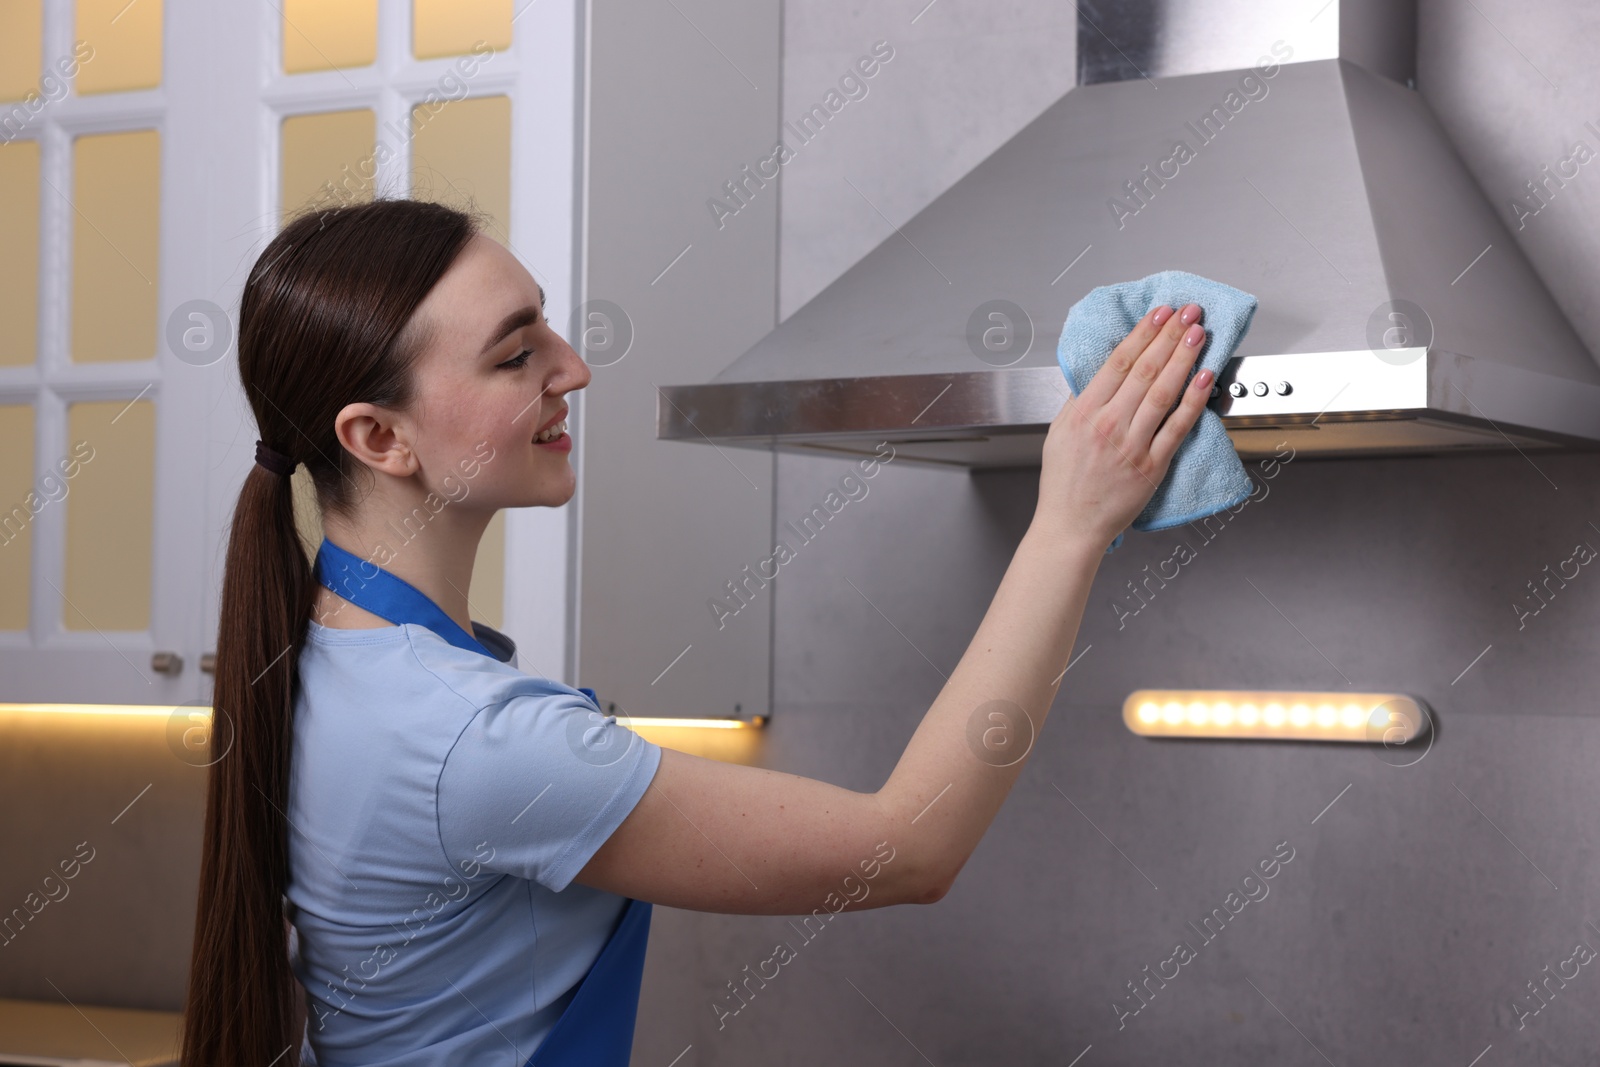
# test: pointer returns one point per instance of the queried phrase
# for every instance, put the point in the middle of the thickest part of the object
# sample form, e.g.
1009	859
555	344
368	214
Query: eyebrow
519	318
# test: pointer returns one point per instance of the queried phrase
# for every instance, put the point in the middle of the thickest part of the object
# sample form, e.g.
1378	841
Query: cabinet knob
208	662
166	663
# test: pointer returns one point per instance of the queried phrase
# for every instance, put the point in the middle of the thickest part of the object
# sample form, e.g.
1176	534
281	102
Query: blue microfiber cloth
1206	474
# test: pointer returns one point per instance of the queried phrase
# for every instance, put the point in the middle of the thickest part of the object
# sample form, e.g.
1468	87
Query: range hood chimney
1273	146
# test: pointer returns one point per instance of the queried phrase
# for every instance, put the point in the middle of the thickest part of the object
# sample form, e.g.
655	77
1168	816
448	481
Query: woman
417	808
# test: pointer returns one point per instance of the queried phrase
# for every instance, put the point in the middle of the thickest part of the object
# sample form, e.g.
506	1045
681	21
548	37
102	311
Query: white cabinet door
125	566
106	426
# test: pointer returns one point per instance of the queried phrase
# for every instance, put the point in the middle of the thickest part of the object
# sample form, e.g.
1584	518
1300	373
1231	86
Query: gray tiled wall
1423	900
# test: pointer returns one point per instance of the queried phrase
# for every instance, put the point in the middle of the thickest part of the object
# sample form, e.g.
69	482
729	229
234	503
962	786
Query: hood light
1236	714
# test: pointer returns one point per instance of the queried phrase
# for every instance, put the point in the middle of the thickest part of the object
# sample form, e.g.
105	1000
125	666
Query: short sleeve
535	785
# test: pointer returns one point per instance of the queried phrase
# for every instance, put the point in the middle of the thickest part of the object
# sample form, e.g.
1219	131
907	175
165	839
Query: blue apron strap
387	596
596	1029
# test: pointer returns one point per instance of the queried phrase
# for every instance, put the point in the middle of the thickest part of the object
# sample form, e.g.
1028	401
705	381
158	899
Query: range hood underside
1405	434
1406	401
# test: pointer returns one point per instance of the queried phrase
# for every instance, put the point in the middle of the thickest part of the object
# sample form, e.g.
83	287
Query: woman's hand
1109	448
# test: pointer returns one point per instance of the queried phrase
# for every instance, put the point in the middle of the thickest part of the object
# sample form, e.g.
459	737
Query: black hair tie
273	460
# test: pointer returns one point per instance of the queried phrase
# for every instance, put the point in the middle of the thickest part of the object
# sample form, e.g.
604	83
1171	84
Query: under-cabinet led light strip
755	722
1375	718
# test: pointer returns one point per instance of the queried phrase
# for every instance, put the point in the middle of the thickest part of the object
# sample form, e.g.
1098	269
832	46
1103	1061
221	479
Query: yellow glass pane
329	34
461	156
110	515
20	499
456	27
486	598
21	36
124	45
19	251
327	159
116	199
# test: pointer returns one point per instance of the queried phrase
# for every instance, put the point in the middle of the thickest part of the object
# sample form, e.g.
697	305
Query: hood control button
1238	389
1261	389
1284	389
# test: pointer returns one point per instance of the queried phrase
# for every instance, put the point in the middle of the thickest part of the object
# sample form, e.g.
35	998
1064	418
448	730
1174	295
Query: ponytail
241	992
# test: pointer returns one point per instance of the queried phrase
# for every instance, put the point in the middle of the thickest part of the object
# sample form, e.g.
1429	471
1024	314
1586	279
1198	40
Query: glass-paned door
101	452
148	151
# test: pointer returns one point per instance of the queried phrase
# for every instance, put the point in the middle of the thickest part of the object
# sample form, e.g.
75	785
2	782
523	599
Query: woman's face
493	373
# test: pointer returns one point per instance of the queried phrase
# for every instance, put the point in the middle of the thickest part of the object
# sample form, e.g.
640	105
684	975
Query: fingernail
1203	379
1194	335
1191	313
1162	315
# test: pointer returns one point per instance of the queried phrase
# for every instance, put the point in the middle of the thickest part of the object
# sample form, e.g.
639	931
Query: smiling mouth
553	433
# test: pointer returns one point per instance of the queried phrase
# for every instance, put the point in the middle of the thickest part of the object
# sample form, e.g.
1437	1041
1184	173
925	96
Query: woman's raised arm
713	836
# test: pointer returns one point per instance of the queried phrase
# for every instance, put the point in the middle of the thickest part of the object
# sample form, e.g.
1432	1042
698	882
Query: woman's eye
519	360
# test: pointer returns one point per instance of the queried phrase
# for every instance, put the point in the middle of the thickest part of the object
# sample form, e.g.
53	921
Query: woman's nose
574	367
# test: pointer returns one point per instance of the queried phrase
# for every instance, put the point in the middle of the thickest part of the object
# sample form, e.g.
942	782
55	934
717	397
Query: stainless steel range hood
1397	314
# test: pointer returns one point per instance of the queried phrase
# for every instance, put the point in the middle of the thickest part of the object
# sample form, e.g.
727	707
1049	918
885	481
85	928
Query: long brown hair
325	320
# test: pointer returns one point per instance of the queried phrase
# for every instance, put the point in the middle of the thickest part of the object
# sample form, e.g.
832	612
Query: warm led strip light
159	711
757	723
1377	718
166	711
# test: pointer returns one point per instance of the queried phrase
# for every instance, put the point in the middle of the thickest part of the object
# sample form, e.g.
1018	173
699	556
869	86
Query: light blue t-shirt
440	803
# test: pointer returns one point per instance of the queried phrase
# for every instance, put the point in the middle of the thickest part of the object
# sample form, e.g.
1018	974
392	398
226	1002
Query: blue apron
597	1026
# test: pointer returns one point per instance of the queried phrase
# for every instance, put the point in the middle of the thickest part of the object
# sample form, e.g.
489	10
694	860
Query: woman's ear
378	437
